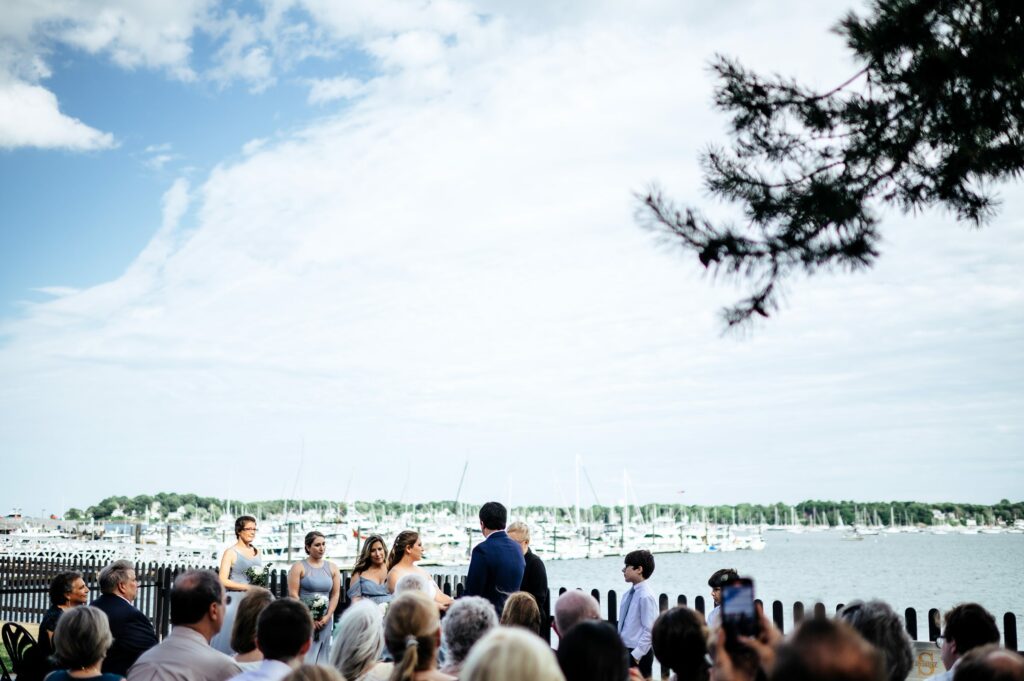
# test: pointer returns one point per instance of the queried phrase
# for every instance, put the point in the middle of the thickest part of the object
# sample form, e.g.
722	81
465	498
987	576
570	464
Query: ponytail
406	667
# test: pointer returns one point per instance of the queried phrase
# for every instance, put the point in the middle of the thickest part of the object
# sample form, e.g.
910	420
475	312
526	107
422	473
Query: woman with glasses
370	573
236	562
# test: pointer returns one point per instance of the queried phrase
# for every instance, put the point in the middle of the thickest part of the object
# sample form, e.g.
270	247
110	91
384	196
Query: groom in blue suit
496	568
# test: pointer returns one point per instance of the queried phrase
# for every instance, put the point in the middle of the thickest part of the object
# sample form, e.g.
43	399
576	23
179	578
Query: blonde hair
521	611
511	654
410	631
314	672
521	529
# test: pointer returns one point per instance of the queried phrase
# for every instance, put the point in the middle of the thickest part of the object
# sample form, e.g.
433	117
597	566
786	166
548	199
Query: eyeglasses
248	529
940	641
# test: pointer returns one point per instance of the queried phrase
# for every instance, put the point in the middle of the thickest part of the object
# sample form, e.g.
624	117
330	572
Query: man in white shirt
197	614
968	626
284	633
639	610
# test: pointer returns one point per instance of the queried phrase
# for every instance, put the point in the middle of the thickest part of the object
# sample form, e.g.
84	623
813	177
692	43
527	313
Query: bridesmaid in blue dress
312	577
237	559
370	573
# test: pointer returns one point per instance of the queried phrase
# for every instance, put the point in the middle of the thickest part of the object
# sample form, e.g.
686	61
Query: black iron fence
24	596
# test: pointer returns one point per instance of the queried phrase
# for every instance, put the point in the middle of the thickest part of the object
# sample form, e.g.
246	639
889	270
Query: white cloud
453	270
31	117
323	90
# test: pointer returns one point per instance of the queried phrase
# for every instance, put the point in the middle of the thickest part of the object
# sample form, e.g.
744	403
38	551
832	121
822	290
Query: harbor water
921	571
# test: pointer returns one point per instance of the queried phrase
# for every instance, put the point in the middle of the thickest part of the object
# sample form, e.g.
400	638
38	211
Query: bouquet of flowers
317	605
258	577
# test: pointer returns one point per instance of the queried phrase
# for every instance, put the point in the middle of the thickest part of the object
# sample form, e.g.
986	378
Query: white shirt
637	618
269	670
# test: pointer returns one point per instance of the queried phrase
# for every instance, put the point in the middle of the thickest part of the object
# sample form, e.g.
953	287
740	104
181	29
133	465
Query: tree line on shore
166	506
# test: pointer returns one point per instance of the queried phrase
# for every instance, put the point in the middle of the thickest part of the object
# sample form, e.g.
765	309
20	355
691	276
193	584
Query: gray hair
519	528
82	637
883	629
573	607
466	621
511	654
360	639
413	582
114	575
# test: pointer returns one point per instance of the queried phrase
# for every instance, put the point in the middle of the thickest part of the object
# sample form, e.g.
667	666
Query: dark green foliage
934	116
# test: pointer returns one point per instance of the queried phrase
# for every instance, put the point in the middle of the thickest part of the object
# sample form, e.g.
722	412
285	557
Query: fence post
613	609
1010	631
698	604
910	617
798	613
819	611
934	625
681	600
777	616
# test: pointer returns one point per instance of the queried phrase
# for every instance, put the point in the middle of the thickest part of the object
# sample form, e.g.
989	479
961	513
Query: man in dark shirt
132	631
535	576
496	567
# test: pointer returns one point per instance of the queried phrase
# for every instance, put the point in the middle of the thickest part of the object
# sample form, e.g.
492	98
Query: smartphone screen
739	615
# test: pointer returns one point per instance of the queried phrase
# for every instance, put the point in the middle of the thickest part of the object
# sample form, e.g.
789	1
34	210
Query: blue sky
293	243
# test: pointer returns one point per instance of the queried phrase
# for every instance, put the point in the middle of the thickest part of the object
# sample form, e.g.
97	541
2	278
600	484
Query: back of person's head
519	531
360	639
511	654
412	582
60	586
969	625
642	559
884	629
192	594
243	631
722	577
573	607
679	639
990	663
411	632
82	637
314	672
826	650
283	629
493	515
521	610
593	651
465	623
114	575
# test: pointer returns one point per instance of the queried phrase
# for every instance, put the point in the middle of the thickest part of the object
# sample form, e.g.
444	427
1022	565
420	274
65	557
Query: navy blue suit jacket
133	633
496	569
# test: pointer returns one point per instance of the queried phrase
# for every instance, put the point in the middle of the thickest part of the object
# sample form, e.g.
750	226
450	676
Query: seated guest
67	590
521	611
884	629
284	632
593	651
511	654
133	632
243	630
573	607
314	672
819	650
968	626
465	623
197	614
679	638
412	633
415	582
80	642
990	663
358	644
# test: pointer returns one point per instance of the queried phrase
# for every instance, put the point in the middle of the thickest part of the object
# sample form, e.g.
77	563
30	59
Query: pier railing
24	597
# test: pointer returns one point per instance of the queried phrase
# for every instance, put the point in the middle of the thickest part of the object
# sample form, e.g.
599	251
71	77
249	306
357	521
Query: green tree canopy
933	117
